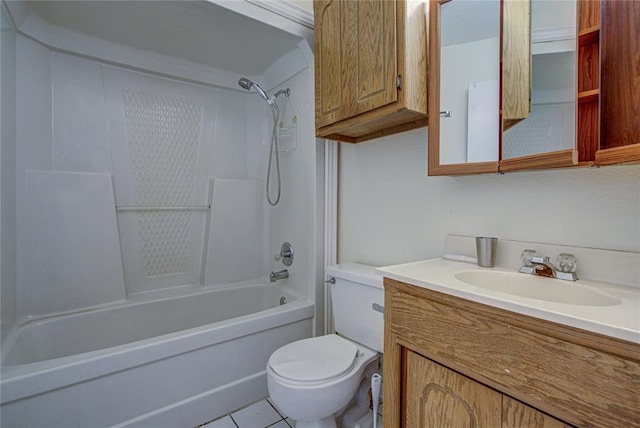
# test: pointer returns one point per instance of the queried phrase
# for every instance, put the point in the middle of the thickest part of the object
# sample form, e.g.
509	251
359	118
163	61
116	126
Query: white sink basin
536	287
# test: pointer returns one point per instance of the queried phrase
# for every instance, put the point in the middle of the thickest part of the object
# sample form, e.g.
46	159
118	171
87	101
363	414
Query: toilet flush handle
378	308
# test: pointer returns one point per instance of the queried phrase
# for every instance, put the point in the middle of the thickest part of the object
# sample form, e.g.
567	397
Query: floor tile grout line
234	421
284	417
276	409
230	415
277	422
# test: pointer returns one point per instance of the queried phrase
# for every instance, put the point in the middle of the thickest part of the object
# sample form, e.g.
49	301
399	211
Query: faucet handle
526	257
567	263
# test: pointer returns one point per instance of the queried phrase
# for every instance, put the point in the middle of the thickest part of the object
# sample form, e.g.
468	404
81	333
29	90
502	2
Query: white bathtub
173	362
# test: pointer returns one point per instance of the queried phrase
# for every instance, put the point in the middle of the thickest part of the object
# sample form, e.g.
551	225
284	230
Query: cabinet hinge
399	81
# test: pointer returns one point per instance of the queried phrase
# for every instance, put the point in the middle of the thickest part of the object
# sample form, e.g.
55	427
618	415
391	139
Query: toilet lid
315	359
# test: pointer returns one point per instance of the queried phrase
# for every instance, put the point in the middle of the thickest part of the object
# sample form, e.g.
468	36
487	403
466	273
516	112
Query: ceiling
196	31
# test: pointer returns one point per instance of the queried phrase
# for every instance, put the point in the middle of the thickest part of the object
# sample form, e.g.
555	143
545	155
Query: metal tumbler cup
486	248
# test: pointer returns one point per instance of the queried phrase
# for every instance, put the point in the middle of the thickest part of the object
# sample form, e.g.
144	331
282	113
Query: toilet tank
357	299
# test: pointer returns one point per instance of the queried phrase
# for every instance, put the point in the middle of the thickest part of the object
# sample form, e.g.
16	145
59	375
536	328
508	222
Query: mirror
464	114
547	136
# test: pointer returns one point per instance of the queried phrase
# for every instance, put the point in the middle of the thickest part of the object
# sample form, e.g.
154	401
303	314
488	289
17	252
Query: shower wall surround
97	143
7	171
161	153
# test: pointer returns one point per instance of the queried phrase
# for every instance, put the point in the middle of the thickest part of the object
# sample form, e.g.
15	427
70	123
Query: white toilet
312	379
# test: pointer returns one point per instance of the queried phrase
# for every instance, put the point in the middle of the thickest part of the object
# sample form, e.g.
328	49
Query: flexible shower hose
275	112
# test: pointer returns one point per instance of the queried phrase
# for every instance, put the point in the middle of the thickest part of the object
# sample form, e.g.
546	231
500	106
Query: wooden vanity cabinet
453	362
370	68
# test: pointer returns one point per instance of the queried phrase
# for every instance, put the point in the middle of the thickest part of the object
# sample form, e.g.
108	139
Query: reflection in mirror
469	81
550	126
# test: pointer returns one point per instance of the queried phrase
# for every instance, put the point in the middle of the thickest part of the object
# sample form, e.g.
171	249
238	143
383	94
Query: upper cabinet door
371	55
370	67
331	61
356	57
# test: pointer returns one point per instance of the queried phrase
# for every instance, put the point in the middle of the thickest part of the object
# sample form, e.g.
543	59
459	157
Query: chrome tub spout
281	274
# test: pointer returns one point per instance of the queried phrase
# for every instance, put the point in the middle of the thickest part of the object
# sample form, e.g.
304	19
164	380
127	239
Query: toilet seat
317	359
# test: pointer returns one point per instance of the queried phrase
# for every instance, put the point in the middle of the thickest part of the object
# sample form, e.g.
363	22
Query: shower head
248	84
245	83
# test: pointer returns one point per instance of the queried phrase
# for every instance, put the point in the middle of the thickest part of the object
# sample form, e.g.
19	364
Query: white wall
391	212
305	4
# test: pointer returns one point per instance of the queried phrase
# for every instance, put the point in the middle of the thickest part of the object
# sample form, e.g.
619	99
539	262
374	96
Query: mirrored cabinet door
546	138
464	86
468	51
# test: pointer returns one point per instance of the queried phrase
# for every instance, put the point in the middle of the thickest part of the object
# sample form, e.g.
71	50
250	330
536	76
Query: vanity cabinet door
370	68
436	396
517	415
439	397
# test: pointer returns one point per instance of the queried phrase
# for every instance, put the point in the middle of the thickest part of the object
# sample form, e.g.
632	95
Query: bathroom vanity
452	359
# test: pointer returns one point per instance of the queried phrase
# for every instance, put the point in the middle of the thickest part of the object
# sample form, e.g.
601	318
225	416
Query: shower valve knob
285	254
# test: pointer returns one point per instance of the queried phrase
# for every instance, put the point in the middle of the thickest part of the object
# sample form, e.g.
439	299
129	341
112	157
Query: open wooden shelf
608	130
588	71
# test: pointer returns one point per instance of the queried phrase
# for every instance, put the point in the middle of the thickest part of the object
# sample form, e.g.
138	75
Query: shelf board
588	96
589	35
618	155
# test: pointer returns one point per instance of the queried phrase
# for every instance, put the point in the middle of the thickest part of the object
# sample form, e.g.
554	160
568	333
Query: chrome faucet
281	274
542	266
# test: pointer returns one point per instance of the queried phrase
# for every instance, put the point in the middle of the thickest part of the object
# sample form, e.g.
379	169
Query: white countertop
621	320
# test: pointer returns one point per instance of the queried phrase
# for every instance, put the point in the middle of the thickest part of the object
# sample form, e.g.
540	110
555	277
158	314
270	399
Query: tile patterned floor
257	415
261	414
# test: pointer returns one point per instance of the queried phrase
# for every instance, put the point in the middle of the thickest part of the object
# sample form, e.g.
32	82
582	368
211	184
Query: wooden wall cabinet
452	362
370	68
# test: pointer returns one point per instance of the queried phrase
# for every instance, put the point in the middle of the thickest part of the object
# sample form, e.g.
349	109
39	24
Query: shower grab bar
161	207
